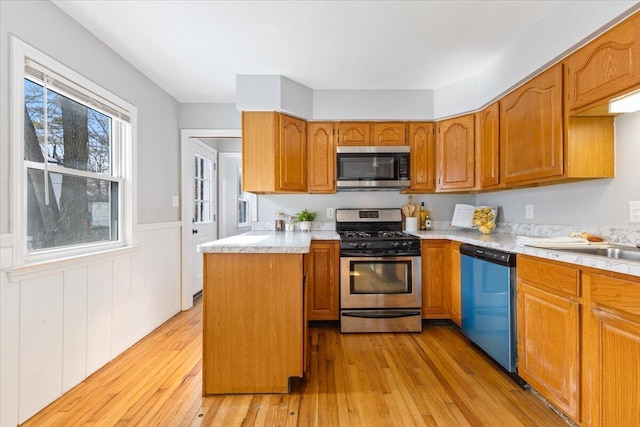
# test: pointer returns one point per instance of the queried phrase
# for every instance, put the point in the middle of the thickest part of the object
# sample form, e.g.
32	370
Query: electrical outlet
528	211
329	213
634	211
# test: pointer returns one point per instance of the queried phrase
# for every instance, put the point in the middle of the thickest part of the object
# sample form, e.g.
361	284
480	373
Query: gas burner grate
356	234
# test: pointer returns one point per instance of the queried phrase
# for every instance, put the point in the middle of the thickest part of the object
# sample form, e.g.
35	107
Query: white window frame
125	160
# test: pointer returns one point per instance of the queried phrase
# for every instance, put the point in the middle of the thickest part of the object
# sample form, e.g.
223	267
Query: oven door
380	282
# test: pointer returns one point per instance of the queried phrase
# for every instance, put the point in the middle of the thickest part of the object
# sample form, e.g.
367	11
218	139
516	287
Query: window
76	154
243	203
202	191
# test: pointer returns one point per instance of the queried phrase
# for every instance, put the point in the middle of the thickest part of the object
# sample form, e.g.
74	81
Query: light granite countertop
299	242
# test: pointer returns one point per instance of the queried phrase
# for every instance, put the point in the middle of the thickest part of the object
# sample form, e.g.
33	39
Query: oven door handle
381	314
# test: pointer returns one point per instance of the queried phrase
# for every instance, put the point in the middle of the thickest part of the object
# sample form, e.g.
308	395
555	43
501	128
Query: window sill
37	269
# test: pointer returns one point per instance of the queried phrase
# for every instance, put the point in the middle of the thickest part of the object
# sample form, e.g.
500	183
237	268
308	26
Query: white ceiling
195	49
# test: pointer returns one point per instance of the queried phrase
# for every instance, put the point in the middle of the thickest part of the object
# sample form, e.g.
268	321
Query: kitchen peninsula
254	311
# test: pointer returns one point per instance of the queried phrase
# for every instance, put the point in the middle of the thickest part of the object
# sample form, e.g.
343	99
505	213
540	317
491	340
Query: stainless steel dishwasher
488	280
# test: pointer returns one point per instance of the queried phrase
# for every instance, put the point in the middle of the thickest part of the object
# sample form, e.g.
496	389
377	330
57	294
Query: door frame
186	136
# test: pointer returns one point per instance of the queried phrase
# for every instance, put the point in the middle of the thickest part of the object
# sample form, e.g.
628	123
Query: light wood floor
430	379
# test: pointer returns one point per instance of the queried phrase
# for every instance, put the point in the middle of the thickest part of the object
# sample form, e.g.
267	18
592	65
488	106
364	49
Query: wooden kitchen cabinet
323	280
612	350
487	127
253	322
456	154
549	331
436	292
352	133
274	153
322	158
531	139
605	68
540	143
456	285
389	133
423	157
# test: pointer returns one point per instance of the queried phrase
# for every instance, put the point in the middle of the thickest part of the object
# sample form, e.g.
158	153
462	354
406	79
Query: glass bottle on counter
425	218
279	225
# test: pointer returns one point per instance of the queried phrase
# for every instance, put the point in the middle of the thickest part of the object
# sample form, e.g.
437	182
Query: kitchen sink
618	252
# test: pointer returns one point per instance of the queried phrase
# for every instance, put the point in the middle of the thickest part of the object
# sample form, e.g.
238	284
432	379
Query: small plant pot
305	225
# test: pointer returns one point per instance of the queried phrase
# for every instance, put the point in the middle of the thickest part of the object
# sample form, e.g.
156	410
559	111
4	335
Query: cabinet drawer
615	292
550	275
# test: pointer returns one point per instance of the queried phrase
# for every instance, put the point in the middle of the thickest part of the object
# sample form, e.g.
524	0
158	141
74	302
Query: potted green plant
304	217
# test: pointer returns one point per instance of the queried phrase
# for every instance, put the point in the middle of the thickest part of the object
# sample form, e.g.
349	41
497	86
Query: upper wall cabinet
456	154
366	133
322	158
488	147
393	133
607	67
352	133
531	130
423	157
539	143
274	153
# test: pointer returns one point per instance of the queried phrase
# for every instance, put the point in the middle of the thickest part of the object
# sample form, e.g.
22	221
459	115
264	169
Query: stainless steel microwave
372	167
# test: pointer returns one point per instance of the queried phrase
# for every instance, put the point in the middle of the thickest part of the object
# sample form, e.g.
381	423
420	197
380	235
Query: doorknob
194	231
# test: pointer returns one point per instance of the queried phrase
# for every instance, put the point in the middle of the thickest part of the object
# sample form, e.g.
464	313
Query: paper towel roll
411	224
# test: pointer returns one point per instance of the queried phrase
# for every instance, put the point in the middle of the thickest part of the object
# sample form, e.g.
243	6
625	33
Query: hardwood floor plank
434	378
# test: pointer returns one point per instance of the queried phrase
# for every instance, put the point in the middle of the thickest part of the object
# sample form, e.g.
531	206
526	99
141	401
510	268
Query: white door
199	207
235	205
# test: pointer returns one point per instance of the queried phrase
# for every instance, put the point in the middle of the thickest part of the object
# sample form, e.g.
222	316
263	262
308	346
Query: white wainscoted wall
62	322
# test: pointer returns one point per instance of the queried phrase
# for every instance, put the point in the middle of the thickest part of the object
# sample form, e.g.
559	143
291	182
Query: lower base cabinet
612	350
548	317
579	340
323	267
436	292
456	289
253	322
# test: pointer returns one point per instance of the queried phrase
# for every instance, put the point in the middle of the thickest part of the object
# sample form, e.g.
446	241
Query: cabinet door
488	144
606	67
323	280
392	133
353	133
259	133
612	350
436	293
614	372
549	346
456	297
322	158
456	153
531	140
423	156
292	155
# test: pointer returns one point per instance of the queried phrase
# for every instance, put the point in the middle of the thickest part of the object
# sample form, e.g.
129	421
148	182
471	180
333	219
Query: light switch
634	211
528	211
176	201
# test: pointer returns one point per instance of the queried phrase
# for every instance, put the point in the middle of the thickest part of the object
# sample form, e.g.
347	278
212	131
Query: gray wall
209	116
47	28
592	203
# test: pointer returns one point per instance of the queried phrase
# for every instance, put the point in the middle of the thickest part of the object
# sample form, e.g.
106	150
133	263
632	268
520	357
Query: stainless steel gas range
380	272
